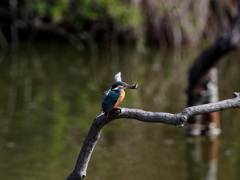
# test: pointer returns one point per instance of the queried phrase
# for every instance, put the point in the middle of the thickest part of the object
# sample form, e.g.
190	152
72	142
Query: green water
50	94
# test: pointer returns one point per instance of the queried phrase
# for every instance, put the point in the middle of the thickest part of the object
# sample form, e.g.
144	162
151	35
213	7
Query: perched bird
115	95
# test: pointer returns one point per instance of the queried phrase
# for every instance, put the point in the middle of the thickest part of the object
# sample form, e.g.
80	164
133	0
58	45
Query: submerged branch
145	116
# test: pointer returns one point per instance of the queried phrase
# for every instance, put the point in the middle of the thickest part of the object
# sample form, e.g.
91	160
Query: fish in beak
131	86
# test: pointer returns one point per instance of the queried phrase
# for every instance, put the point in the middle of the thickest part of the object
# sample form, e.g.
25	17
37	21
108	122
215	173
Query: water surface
51	93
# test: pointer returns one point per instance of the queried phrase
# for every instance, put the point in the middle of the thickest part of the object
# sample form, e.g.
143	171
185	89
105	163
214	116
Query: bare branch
145	116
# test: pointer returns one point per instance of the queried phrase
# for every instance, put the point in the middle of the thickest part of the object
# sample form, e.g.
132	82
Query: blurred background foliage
166	23
80	12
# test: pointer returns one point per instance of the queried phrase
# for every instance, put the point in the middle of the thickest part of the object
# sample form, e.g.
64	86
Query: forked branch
178	120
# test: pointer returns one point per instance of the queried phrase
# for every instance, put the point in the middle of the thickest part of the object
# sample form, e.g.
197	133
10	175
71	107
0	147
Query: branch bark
178	120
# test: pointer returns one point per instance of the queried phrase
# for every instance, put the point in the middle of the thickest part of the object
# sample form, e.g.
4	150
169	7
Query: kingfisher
115	95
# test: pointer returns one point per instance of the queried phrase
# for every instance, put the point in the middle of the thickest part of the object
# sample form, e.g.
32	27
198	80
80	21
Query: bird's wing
110	101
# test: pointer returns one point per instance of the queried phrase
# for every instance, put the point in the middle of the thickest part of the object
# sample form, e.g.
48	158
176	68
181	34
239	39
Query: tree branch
145	116
228	41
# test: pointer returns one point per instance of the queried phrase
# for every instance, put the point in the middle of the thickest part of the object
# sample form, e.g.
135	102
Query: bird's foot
116	107
117	110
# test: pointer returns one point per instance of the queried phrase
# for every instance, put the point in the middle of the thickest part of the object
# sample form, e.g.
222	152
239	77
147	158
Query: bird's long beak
131	86
127	86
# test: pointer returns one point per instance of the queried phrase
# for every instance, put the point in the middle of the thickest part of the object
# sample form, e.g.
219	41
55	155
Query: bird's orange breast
121	97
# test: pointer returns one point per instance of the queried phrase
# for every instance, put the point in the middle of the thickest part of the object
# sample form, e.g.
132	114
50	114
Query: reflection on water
50	95
202	158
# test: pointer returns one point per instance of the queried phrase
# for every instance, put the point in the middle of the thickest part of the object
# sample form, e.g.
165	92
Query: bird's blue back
111	97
